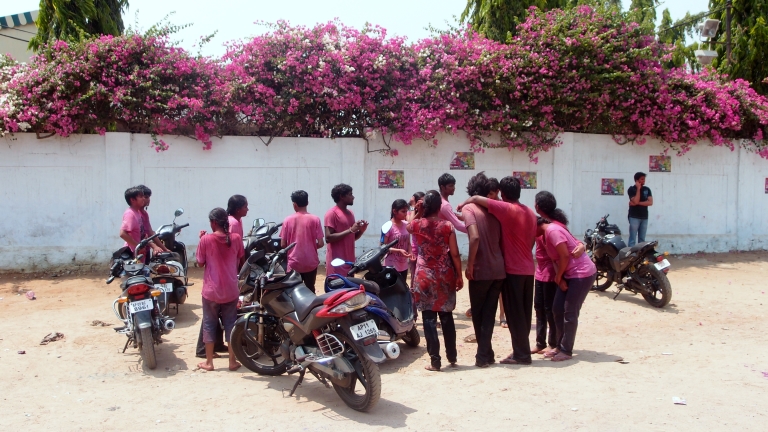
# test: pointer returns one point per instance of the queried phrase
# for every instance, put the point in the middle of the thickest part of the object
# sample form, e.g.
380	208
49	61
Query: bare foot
551	353
561	357
537	350
205	366
216	355
234	366
469	313
503	323
431	368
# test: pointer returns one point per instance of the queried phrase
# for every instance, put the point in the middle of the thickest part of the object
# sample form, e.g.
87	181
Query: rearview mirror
258	222
386	227
338	262
179	211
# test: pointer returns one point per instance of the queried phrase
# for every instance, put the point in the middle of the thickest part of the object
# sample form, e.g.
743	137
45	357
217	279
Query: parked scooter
391	305
292	330
639	269
169	269
138	307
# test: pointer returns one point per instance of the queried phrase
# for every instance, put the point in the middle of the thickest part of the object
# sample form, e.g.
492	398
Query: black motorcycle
292	330
138	307
639	269
169	269
262	237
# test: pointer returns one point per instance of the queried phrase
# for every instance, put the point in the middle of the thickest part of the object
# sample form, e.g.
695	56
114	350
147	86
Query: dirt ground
707	347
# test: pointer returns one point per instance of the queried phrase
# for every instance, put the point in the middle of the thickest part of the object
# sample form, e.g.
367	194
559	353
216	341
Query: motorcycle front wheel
244	339
147	348
661	289
360	390
602	282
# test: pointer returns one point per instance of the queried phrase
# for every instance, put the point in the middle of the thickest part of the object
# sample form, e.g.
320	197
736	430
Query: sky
234	19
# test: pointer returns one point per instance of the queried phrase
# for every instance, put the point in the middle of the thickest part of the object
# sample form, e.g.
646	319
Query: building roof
19	19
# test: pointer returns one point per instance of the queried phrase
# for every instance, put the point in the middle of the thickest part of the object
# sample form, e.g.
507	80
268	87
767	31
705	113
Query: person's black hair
397	204
300	198
445	180
339	191
510	188
479	185
540	220
547	205
235	203
493	183
219	217
432	203
131	193
638	175
145	190
418	195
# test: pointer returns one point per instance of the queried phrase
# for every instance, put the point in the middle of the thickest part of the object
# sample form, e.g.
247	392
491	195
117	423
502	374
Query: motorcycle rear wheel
248	354
412	337
147	348
662	293
367	376
602	282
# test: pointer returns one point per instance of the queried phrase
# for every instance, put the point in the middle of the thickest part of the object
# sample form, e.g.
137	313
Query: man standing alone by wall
640	199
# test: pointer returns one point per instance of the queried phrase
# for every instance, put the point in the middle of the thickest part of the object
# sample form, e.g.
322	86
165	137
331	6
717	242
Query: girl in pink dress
400	254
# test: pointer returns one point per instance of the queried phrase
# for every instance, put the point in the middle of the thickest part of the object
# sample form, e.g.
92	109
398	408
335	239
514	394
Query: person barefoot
561	357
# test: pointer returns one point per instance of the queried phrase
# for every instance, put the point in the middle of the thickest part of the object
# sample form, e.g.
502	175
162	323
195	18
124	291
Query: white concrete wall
64	196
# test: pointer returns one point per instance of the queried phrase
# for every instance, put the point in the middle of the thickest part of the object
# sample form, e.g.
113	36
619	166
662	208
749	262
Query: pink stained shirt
305	229
145	222
235	226
489	260
580	267
221	261
339	220
518	234
446	213
133	224
400	233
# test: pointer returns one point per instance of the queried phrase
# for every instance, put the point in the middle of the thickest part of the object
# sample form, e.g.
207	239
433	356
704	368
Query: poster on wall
766	185
660	164
391	179
612	187
463	161
527	179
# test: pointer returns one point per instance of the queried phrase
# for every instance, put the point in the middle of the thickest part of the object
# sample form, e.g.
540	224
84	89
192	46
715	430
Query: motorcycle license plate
167	287
662	265
140	305
364	330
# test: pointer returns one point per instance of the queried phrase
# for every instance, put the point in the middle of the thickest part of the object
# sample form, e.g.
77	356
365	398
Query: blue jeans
637	229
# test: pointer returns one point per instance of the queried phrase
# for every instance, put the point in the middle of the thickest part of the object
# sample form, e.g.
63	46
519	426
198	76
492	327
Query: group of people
500	269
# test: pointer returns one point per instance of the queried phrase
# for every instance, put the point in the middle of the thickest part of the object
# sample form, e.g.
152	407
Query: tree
749	42
76	20
497	19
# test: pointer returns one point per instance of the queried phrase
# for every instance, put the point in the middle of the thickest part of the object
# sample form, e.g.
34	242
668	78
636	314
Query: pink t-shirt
489	260
145	222
518	233
235	226
304	229
580	267
220	276
339	220
446	213
545	268
133	224
400	233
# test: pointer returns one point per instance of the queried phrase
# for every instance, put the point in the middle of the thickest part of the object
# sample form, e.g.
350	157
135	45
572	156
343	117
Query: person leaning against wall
640	198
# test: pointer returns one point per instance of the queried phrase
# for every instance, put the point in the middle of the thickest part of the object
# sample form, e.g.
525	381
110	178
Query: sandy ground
708	347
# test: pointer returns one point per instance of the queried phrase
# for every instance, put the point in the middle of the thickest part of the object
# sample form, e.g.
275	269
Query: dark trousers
430	334
543	298
566	309
309	279
218	346
483	300
517	296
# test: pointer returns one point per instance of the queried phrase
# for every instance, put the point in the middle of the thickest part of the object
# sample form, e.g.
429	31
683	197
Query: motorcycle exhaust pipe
391	349
169	325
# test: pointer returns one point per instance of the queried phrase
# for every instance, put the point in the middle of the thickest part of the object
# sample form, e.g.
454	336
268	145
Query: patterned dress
434	284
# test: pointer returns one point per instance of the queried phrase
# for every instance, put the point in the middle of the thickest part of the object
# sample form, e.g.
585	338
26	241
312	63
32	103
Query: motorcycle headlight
358	301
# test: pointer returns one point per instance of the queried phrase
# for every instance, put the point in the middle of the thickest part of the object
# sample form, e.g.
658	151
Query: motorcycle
391	303
291	330
138	307
639	269
261	237
169	269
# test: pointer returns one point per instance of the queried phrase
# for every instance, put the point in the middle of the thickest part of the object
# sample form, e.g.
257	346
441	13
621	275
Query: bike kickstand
320	378
618	291
126	345
298	382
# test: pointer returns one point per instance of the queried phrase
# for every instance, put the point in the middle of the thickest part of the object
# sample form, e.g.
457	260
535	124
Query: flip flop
432	368
561	357
503	323
511	361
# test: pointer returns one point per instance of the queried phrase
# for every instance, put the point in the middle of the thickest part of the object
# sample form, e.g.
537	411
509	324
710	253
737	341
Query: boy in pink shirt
237	208
306	230
518	232
132	229
341	230
156	245
447	185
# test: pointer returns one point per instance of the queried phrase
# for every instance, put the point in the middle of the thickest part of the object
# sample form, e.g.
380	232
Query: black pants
517	296
543	297
483	301
566	309
430	334
309	279
217	347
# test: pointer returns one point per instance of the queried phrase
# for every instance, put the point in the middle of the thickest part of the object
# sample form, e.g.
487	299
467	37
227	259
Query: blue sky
234	18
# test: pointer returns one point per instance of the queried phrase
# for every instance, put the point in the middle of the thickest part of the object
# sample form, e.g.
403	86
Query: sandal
561	357
432	368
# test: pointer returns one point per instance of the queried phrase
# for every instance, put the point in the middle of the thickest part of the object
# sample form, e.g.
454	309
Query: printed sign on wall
527	179
463	161
391	179
660	164
612	187
766	185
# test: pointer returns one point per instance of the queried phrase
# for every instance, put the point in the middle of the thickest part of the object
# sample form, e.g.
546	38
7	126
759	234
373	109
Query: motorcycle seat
166	256
370	286
305	300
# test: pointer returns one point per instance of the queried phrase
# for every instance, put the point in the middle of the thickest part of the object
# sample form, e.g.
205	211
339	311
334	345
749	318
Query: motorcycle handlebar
182	226
110	279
